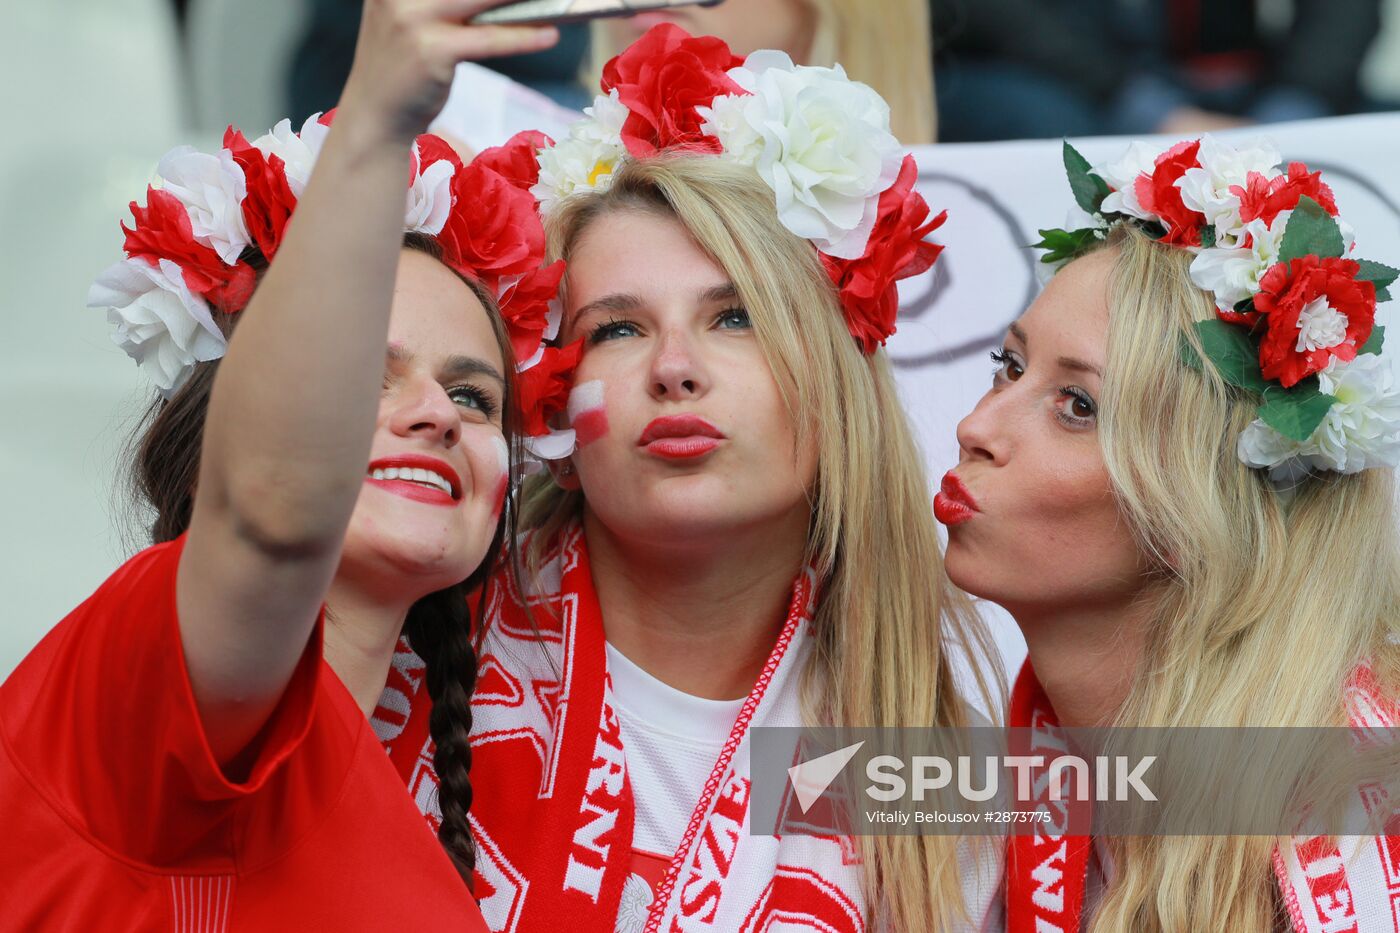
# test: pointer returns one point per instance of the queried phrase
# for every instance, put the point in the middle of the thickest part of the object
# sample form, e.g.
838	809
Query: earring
566	470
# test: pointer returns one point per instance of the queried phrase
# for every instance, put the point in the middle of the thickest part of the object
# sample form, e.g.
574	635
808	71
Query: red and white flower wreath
821	142
187	254
1295	313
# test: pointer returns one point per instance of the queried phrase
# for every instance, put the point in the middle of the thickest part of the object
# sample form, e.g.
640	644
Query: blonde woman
886	44
740	538
1172	558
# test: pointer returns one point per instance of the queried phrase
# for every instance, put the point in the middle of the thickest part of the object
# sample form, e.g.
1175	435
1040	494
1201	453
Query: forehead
1070	317
649	255
435	315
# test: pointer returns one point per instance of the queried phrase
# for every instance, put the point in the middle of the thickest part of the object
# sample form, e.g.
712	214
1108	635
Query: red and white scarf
553	812
1350	885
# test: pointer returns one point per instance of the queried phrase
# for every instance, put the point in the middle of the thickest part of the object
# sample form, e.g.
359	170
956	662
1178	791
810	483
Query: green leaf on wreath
1208	236
1089	189
1232	352
1311	231
1295	413
1379	273
1188	355
1062	245
1374	342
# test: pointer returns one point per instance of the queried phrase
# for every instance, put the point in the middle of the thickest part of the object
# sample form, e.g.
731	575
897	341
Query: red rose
661	78
1283	293
1267	198
270	201
897	250
163	231
518	161
1159	194
494	232
544	388
428	151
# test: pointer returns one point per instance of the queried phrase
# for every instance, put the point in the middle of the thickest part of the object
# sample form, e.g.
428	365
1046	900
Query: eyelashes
1082	409
735	318
476	397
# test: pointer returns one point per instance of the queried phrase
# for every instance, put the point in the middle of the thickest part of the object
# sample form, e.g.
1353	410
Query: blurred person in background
1011	69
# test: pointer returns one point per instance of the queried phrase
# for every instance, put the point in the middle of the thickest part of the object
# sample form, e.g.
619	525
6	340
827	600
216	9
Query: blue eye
733	319
611	329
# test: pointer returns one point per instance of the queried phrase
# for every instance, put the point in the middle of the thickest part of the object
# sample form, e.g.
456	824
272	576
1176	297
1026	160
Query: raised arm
293	407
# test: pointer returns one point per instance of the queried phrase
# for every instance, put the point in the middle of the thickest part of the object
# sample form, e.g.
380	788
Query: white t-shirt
672	740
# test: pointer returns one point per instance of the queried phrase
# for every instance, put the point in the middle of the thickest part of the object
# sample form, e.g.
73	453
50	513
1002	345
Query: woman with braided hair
189	749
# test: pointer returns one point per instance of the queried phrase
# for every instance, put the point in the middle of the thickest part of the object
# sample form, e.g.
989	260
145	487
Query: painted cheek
588	413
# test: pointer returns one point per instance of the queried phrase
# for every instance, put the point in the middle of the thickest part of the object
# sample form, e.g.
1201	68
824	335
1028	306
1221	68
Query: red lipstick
397	475
954	504
680	437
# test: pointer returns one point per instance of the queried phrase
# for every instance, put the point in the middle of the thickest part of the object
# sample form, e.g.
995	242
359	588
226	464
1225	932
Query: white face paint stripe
502	452
585	396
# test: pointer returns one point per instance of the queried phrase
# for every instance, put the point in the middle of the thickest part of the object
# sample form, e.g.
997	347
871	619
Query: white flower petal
821	141
587	158
556	445
1207	189
1360	432
1122	176
429	197
212	188
298	151
157	321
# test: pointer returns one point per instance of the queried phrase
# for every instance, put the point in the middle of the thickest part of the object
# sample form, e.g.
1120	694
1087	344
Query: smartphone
573	11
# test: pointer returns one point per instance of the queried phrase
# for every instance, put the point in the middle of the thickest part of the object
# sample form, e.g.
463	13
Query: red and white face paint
588	413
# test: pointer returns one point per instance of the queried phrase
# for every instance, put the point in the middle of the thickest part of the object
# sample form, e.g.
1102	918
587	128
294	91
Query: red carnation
1267	198
897	250
661	78
1286	289
1159	194
494	232
518	160
270	201
544	388
525	308
163	231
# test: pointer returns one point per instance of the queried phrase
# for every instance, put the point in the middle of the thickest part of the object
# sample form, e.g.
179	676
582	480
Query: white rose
1359	432
587	158
298	151
212	188
159	323
1122	177
1233	273
821	141
1207	189
429	197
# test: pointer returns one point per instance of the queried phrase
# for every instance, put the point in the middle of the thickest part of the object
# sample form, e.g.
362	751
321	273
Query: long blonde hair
881	654
886	44
1269	602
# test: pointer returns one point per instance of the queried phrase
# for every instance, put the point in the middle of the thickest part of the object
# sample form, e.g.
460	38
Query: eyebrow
1066	362
454	367
623	302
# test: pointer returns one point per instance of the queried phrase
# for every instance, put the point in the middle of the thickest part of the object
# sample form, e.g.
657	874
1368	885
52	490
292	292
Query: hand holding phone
572	11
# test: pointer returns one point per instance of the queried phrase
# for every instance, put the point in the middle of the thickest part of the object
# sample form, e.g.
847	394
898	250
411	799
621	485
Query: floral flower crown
820	141
186	255
1295	314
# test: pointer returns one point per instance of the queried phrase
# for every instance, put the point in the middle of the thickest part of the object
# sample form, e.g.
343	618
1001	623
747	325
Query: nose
982	435
423	410
677	371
